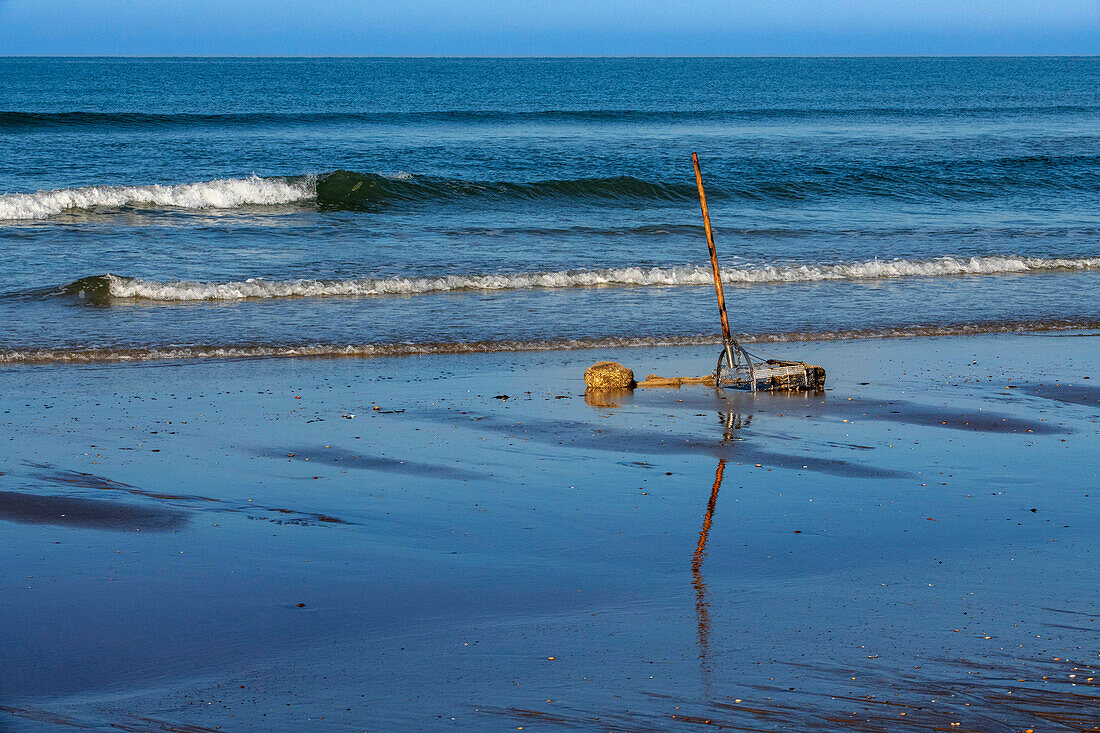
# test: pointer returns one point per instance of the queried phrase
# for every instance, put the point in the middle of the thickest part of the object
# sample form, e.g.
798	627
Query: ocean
189	208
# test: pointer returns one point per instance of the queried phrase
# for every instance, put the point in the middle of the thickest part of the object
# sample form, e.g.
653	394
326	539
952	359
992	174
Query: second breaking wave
102	289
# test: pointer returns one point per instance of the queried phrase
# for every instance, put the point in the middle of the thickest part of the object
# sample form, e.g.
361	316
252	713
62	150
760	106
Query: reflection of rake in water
738	368
731	423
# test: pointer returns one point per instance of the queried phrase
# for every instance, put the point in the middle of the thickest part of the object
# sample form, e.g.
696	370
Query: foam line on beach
102	288
373	350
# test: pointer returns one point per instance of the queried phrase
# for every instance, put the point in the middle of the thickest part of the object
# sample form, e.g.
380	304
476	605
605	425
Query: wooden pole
713	254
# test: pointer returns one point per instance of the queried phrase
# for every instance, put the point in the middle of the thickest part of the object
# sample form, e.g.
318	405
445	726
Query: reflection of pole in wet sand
731	423
702	610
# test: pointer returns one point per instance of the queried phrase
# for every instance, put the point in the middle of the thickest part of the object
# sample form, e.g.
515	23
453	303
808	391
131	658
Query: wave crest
339	190
100	289
350	190
226	193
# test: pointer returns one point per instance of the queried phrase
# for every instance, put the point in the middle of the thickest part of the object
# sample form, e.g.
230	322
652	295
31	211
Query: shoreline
39	356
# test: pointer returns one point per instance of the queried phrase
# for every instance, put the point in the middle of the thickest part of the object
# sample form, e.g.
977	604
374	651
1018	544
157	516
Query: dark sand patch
991	694
343	458
76	479
927	416
43	716
858	408
577	434
62	477
1074	394
297	517
16	506
134	723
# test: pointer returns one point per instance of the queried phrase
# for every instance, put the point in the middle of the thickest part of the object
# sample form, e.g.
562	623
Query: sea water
182	208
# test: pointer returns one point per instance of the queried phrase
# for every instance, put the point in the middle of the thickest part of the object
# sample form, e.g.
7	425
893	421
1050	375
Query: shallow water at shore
250	544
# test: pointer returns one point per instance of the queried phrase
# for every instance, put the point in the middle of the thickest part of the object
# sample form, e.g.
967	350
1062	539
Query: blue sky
546	27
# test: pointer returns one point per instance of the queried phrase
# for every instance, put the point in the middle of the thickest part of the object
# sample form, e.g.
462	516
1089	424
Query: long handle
713	253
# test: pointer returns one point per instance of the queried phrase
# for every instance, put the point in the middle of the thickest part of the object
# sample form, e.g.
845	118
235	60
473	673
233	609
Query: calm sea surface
157	208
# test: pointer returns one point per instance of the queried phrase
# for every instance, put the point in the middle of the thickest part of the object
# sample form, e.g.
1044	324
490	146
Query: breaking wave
251	351
227	193
350	191
338	190
101	289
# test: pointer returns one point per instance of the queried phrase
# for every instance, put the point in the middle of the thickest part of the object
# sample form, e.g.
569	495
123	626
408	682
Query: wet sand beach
465	542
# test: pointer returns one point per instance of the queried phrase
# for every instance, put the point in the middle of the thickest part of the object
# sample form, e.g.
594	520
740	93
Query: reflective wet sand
252	545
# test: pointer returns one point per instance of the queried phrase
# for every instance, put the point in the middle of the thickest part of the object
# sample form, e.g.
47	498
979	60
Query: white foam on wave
182	290
226	193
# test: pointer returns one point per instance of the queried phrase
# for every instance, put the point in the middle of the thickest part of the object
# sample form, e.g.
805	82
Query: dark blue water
277	206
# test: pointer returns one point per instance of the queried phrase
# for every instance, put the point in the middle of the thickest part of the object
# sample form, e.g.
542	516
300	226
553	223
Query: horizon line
553	56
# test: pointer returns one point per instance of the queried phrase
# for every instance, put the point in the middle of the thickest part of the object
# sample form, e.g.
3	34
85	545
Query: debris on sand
773	374
605	375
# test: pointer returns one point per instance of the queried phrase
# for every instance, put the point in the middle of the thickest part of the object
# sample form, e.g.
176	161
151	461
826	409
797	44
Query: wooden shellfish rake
737	368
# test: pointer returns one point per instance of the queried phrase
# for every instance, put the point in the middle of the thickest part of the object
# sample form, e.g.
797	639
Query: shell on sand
608	375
